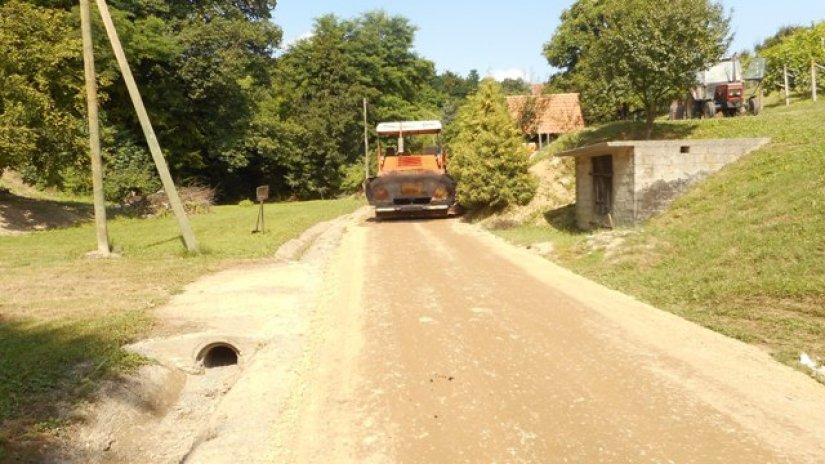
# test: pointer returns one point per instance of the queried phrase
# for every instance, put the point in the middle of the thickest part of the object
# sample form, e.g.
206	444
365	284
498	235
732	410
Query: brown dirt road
434	342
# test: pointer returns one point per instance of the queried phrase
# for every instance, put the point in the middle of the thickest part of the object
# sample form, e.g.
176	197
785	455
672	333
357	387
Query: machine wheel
709	109
753	106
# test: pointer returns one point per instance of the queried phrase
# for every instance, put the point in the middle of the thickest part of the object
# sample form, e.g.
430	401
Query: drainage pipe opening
218	355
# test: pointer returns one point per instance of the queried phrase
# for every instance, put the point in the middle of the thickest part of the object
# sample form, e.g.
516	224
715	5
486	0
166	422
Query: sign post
261	194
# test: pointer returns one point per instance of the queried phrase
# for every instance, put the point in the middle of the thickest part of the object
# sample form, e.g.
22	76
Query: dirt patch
556	189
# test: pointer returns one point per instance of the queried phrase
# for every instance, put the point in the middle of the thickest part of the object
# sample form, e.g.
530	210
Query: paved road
436	343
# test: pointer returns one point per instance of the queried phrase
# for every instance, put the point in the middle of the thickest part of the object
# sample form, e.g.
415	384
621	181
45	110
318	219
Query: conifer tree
489	160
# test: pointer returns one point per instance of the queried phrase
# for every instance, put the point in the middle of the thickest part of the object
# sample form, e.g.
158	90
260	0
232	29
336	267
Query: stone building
626	182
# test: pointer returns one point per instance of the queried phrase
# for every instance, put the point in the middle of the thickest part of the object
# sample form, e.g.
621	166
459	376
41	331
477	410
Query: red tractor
721	90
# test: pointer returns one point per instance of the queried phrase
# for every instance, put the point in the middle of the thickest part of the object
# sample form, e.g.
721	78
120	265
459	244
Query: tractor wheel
709	109
753	106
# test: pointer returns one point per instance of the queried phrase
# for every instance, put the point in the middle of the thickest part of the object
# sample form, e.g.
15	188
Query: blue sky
504	39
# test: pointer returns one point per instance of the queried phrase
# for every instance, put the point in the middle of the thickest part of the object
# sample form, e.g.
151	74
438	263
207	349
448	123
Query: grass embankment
64	317
742	253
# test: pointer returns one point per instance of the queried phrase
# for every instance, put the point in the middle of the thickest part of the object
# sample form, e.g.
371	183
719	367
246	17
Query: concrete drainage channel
235	339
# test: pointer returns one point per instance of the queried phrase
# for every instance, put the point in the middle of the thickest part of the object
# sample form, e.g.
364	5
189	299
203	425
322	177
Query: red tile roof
556	113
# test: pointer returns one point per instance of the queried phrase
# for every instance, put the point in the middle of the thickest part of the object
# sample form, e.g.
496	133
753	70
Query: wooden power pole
103	248
366	146
148	131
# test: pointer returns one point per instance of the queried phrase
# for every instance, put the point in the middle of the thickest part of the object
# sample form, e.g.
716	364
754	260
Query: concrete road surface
437	343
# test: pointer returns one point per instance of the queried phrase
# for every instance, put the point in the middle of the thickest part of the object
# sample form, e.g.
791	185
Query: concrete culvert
218	355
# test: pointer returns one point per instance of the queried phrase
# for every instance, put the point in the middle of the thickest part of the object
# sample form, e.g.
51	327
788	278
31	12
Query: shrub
489	160
196	199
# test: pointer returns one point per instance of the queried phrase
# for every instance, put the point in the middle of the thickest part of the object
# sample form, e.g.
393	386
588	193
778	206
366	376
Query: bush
489	160
353	181
196	199
129	171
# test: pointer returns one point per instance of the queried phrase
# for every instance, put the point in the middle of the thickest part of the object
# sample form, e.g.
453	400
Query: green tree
796	48
515	86
41	124
488	158
453	90
636	51
201	66
320	83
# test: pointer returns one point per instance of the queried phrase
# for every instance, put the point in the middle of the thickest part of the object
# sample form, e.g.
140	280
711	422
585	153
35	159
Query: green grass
743	253
64	317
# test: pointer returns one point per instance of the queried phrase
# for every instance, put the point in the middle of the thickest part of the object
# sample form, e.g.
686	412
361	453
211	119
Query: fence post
787	86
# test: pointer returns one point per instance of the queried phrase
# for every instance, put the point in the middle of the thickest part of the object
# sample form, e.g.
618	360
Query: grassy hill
742	253
64	317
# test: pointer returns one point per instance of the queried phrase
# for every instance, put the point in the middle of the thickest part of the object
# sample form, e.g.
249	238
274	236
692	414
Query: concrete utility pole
148	131
103	248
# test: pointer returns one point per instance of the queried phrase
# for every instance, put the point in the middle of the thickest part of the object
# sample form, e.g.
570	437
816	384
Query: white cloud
509	73
290	42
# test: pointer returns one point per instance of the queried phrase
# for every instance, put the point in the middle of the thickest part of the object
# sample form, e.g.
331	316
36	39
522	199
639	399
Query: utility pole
103	248
813	79
148	131
366	146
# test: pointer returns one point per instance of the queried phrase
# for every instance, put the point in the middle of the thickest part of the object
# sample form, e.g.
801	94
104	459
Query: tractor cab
728	97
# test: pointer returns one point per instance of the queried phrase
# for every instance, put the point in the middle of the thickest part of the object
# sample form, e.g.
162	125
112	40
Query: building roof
555	114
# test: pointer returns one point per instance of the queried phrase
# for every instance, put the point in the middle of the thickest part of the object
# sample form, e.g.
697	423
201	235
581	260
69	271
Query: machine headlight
381	193
440	193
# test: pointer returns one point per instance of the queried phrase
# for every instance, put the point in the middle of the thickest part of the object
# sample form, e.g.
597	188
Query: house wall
664	170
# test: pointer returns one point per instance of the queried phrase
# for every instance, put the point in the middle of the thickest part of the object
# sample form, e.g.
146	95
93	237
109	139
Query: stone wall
666	169
623	188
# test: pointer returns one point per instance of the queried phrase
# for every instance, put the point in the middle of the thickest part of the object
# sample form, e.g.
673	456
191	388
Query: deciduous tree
637	50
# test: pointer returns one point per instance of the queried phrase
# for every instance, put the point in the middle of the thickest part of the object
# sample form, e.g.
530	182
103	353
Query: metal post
148	131
94	129
366	145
